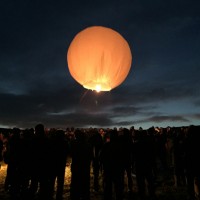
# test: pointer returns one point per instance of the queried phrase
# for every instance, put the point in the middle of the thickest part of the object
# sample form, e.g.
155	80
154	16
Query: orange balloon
99	58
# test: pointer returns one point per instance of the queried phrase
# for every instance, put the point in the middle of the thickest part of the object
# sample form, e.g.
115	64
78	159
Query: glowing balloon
99	58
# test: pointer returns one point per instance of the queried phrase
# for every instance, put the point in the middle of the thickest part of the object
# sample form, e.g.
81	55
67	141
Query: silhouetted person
96	141
82	155
144	159
127	154
6	157
59	154
25	163
112	160
192	159
1	148
161	151
12	181
179	158
40	164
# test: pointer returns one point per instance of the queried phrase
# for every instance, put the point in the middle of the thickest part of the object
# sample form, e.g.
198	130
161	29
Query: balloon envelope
99	58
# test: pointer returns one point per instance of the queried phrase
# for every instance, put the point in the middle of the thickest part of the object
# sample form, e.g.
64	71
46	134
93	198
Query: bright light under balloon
99	58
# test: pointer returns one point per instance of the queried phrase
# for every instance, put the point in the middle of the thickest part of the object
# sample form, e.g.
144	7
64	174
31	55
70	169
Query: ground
165	190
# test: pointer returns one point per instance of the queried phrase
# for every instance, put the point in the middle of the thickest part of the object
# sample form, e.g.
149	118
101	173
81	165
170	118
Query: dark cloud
197	116
163	121
168	118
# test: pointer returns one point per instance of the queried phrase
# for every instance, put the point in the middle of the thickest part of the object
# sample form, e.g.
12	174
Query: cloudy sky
162	88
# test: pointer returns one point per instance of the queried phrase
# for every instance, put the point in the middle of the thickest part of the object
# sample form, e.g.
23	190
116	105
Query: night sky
162	88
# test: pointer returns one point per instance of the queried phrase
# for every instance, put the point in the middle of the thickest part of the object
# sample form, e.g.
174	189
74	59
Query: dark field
165	188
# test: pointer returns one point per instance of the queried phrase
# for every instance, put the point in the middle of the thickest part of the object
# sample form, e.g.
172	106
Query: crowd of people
36	160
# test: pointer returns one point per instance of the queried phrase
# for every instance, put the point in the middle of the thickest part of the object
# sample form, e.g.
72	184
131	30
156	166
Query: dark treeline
36	159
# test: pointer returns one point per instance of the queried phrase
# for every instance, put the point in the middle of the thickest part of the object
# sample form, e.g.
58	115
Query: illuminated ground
164	191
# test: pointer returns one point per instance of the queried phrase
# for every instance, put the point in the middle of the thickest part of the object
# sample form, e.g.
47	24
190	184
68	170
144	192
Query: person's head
79	135
39	130
28	133
16	132
126	133
113	135
60	134
151	131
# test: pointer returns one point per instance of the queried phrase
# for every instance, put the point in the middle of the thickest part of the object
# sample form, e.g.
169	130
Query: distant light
99	58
